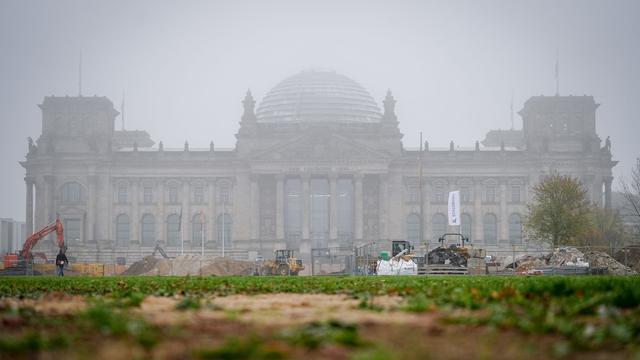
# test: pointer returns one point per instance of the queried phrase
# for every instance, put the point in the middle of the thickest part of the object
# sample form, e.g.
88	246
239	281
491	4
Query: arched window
515	229
224	230
72	192
173	230
148	230
198	229
413	228
438	225
490	223
465	225
122	230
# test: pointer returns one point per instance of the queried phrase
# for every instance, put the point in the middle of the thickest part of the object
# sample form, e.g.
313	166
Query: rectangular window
122	194
147	195
224	193
491	194
438	194
515	193
173	195
198	195
412	190
465	194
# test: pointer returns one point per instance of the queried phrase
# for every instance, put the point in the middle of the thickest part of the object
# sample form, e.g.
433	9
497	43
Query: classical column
255	210
333	210
280	208
384	211
29	207
358	204
49	213
103	217
162	221
135	216
476	220
90	226
503	221
305	206
607	192
425	229
211	218
39	210
186	214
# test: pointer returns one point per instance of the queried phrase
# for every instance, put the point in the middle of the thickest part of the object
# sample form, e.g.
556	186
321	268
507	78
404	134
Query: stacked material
451	256
190	265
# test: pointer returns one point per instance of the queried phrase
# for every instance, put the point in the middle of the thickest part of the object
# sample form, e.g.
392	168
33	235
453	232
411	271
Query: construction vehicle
283	264
17	263
159	249
397	246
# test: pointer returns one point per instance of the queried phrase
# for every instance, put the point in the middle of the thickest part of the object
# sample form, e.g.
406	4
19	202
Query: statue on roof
33	149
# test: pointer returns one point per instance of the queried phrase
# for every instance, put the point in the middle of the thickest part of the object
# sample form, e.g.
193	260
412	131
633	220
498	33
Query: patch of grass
236	348
189	303
317	334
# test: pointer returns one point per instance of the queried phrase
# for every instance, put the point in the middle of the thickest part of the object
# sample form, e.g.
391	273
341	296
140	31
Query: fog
183	67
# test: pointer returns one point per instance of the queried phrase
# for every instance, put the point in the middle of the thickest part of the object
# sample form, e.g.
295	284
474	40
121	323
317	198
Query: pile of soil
629	255
600	259
142	266
190	265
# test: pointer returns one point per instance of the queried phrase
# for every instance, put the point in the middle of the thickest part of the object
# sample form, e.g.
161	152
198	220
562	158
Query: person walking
61	260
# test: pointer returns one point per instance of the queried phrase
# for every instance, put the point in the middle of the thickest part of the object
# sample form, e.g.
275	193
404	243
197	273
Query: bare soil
383	330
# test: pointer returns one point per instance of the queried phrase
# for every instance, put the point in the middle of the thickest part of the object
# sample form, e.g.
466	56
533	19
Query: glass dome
318	96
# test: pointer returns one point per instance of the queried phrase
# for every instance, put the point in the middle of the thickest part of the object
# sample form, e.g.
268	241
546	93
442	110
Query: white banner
454	208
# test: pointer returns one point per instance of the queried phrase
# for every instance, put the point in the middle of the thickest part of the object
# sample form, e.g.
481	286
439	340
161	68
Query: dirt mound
630	256
142	266
598	259
190	265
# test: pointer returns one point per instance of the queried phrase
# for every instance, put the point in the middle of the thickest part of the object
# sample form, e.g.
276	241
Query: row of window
489	226
173	227
440	194
73	192
197	194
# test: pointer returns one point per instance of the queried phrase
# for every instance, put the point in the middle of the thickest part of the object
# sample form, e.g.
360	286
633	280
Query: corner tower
560	124
76	125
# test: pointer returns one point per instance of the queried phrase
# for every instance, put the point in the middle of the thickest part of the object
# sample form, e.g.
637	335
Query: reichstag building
317	165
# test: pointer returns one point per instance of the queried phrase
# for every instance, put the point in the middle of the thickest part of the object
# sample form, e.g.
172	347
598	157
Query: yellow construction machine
283	264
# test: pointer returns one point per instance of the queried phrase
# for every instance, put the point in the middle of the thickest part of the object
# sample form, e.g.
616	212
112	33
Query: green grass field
582	314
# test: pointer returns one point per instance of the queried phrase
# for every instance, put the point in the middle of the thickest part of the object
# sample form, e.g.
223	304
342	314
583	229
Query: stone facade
304	182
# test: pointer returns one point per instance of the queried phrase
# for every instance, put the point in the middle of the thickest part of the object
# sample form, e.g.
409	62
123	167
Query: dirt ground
288	326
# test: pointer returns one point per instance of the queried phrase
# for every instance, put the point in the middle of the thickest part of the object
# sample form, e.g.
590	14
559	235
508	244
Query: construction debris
190	265
565	256
570	257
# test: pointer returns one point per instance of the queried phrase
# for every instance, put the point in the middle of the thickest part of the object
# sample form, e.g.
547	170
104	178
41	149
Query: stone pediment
320	147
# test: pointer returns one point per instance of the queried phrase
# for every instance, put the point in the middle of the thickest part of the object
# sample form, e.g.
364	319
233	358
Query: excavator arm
34	238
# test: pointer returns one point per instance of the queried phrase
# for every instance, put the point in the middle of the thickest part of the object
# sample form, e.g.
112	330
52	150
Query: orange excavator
15	264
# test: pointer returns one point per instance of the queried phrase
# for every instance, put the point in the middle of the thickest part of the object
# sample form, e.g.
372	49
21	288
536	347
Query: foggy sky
184	66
